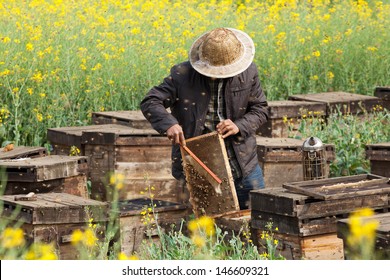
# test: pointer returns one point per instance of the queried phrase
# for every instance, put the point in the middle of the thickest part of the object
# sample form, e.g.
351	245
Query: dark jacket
186	93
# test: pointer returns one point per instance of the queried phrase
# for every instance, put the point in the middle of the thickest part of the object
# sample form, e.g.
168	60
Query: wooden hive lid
54	208
42	168
295	108
133	119
23	152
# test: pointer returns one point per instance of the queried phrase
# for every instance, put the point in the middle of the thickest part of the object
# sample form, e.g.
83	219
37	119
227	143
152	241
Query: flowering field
61	60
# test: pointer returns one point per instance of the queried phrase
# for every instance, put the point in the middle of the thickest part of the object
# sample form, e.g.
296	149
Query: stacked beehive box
379	156
384	94
345	102
30	169
281	160
306	212
52	217
123	142
286	116
141	155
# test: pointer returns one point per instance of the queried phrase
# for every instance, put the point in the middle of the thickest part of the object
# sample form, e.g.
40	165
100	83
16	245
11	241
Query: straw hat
222	53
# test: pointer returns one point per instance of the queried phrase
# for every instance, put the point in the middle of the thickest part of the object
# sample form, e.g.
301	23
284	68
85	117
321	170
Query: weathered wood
316	247
20	152
281	160
43	168
282	202
138	153
76	185
55	208
130	118
294	225
384	94
135	229
379	156
288	109
210	149
235	223
341	187
347	103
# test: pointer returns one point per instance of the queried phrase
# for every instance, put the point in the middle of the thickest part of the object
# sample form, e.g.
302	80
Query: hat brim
224	71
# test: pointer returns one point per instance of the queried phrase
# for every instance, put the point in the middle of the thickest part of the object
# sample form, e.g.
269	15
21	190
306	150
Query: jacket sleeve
257	110
157	100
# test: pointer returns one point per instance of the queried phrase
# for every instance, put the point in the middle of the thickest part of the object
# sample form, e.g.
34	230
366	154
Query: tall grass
62	60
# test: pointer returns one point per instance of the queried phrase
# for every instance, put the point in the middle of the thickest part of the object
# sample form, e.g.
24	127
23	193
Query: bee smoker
314	161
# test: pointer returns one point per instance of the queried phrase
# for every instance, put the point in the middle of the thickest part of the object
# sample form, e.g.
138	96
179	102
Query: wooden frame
210	149
341	187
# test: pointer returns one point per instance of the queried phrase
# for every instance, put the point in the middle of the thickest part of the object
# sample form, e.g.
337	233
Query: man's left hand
227	128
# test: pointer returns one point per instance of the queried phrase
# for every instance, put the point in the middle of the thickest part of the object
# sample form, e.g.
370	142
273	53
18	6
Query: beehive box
46	174
382	235
281	160
204	198
141	155
53	217
133	119
384	94
379	156
347	103
307	222
137	224
285	116
20	152
235	223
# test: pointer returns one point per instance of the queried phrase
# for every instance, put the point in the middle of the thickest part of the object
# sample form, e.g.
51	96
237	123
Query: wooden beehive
53	217
384	94
63	139
281	160
347	103
379	156
133	119
306	213
52	173
285	116
382	235
235	223
20	152
138	225
141	155
210	149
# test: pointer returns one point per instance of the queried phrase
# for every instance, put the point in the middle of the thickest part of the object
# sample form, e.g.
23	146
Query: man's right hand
176	135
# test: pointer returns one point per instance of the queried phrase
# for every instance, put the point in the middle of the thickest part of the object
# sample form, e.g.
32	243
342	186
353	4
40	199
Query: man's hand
175	134
227	128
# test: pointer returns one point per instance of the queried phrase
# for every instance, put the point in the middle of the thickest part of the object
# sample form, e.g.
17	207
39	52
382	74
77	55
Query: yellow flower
117	180
39	251
123	256
11	238
198	240
330	75
316	53
203	224
77	237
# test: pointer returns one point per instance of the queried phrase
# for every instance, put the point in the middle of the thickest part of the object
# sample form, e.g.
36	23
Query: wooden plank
23	152
295	108
133	119
140	170
379	151
341	187
381	168
204	199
